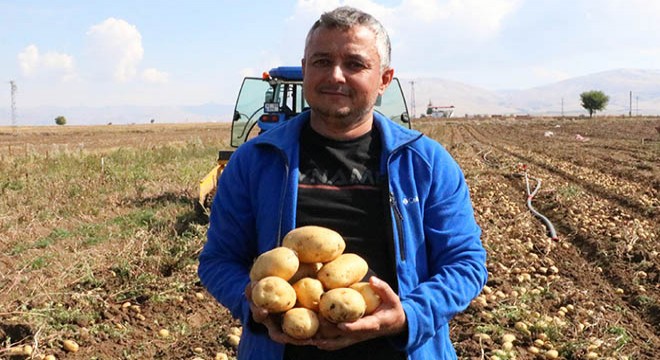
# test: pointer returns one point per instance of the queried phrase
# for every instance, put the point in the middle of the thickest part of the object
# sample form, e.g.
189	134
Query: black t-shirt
341	187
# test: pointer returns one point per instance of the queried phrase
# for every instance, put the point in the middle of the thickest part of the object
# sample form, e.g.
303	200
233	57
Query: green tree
60	120
594	100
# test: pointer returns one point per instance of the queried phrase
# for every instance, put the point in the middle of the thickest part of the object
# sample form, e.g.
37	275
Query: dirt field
99	239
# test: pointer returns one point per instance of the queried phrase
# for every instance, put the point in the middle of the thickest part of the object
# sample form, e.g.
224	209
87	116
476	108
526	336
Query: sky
100	53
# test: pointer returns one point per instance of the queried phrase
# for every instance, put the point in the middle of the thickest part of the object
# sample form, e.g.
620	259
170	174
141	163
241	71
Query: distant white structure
439	111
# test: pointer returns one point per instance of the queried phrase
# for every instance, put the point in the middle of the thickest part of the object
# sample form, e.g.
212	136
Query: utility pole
637	105
630	108
412	98
13	102
562	107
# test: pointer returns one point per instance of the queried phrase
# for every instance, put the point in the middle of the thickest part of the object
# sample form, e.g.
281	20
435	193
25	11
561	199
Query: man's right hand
271	321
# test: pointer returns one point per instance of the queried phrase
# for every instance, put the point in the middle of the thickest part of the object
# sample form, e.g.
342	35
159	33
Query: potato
308	293
370	297
315	243
280	261
300	323
342	305
344	271
274	294
306	270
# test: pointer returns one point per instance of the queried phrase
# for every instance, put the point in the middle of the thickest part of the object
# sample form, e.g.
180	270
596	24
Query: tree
594	100
60	120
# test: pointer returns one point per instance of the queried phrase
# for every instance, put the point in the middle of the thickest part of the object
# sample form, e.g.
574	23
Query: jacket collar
393	135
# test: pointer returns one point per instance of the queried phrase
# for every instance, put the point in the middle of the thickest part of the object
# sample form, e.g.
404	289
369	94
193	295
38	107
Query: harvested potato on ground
344	271
308	293
315	243
280	261
342	305
274	294
300	323
306	270
370	297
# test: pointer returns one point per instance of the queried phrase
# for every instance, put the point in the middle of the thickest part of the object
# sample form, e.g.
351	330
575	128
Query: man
396	196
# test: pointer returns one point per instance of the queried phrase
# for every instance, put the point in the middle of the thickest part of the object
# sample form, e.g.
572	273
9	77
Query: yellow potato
300	323
315	243
306	270
342	305
308	293
280	261
370	297
344	271
274	294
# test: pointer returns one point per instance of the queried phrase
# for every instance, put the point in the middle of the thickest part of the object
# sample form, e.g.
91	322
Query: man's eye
322	62
356	65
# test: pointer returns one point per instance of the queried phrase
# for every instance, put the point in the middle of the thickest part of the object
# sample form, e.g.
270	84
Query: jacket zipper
282	196
398	218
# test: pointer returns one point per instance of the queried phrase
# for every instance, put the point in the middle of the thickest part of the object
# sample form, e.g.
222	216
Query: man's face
342	76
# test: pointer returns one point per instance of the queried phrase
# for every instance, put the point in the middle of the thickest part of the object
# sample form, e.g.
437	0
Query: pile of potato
309	275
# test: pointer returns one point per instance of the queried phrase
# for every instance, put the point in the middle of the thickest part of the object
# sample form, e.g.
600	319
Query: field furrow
99	239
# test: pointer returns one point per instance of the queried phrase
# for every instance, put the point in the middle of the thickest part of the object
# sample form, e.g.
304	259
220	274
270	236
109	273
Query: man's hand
388	319
270	321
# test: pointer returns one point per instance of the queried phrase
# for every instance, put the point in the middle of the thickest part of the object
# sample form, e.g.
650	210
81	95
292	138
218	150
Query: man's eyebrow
319	54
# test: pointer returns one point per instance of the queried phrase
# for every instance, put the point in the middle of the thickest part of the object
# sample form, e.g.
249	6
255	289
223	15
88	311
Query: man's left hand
388	319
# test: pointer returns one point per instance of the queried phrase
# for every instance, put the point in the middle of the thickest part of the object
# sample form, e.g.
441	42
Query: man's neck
340	129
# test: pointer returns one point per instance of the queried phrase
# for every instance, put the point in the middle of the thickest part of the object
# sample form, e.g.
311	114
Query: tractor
266	101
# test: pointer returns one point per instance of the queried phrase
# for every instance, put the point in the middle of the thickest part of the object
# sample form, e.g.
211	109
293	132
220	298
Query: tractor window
392	104
249	106
292	98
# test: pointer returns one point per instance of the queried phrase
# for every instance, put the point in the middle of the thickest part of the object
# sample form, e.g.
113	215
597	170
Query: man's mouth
334	91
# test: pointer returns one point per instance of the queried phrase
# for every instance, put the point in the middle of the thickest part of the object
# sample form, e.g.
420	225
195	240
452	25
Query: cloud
117	48
28	59
33	63
470	18
155	76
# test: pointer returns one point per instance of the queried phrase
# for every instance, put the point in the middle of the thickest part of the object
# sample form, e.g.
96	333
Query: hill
552	99
547	99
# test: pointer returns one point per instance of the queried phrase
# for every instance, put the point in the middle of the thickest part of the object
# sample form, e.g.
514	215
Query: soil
593	290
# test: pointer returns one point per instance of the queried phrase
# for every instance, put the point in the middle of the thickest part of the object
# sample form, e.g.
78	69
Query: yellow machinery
208	185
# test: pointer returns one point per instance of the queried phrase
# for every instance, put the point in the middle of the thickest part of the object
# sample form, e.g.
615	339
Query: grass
69	215
569	191
621	336
84	229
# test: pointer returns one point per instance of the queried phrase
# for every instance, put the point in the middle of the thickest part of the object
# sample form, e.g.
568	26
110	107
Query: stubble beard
344	116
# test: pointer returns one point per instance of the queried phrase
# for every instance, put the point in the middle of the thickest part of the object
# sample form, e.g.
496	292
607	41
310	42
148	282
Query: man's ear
385	79
302	63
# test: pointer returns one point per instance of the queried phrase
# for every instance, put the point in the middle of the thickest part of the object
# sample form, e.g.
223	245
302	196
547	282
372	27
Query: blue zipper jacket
440	259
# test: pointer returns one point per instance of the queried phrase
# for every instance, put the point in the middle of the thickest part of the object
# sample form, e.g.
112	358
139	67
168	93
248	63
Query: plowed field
99	240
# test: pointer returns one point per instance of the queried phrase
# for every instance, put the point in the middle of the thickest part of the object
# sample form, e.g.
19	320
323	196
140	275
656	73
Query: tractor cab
265	102
275	97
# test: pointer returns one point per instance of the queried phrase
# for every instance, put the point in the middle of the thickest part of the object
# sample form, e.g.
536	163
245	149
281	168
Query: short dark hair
344	18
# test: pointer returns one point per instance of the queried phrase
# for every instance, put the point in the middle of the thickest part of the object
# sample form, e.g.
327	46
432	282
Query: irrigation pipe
530	196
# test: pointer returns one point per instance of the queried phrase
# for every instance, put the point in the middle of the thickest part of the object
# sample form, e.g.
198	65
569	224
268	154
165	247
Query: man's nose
337	73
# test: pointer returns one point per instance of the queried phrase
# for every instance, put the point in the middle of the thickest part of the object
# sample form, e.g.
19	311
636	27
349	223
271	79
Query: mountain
465	98
617	84
544	100
83	115
553	99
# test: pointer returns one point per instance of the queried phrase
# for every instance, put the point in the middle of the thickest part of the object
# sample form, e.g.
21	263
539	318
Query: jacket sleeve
456	259
226	258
